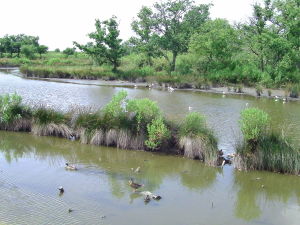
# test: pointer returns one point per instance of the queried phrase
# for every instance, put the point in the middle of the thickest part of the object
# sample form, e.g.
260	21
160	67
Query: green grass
263	149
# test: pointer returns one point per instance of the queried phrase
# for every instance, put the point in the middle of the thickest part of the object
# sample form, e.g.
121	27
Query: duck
147	199
135	186
70	167
61	190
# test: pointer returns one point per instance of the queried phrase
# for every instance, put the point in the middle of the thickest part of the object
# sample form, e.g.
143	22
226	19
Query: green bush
157	133
193	125
114	112
10	108
28	51
143	111
254	124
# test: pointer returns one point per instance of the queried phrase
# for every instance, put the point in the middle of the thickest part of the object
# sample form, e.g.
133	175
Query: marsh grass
196	140
274	153
52	129
264	149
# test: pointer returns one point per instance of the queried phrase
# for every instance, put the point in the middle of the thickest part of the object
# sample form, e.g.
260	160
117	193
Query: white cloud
60	22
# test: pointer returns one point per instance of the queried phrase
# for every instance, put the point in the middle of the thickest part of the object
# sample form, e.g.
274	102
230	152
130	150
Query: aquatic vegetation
157	133
254	124
263	149
13	115
197	140
124	123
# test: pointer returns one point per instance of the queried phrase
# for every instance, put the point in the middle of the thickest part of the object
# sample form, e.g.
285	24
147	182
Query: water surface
31	168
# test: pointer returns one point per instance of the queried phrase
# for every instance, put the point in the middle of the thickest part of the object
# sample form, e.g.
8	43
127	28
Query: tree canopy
106	45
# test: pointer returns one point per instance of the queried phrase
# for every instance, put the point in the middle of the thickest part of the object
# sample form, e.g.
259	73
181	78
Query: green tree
216	42
69	51
106	46
28	51
42	49
173	23
2	47
272	37
146	39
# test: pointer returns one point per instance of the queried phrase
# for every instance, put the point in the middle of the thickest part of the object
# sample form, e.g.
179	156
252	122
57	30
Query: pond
31	168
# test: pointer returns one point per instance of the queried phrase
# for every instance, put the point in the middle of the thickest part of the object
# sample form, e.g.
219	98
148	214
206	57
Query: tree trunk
173	61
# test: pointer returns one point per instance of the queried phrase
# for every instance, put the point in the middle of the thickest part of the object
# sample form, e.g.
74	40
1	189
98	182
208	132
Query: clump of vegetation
263	149
254	124
47	122
13	115
197	140
259	90
157	133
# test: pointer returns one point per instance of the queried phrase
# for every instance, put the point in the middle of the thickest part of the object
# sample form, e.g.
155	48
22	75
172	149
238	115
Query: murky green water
31	168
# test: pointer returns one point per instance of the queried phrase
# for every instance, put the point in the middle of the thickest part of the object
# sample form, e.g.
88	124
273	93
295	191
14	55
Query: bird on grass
135	186
70	167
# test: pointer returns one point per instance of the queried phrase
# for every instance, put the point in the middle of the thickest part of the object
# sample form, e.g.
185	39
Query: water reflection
259	190
118	164
35	167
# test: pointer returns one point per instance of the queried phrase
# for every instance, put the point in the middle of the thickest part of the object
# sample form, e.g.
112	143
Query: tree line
264	49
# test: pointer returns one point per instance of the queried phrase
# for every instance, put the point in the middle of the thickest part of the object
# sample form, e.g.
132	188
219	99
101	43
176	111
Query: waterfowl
190	108
171	89
135	186
137	170
61	190
70	167
147	199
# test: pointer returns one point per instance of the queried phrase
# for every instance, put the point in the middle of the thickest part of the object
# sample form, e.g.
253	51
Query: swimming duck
135	186
61	190
147	199
70	167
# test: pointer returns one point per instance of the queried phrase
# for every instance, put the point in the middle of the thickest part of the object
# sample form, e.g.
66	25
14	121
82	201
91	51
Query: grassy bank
123	123
134	68
264	149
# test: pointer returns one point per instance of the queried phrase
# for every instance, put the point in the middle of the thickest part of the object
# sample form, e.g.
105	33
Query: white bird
247	104
171	89
190	108
135	86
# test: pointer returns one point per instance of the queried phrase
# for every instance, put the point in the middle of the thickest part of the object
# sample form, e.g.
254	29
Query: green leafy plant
157	133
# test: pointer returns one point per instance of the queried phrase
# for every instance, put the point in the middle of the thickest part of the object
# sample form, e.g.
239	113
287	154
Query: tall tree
146	39
216	43
169	26
106	46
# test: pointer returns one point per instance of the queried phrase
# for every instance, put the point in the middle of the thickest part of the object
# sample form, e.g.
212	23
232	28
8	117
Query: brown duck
135	186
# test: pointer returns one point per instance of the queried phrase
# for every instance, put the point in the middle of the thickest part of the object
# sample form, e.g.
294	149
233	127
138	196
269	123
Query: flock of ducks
132	184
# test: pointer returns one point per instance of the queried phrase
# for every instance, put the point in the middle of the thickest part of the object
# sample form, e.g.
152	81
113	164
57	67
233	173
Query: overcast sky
60	22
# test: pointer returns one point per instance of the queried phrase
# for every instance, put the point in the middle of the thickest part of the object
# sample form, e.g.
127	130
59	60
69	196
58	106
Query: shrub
141	113
114	112
157	133
254	124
